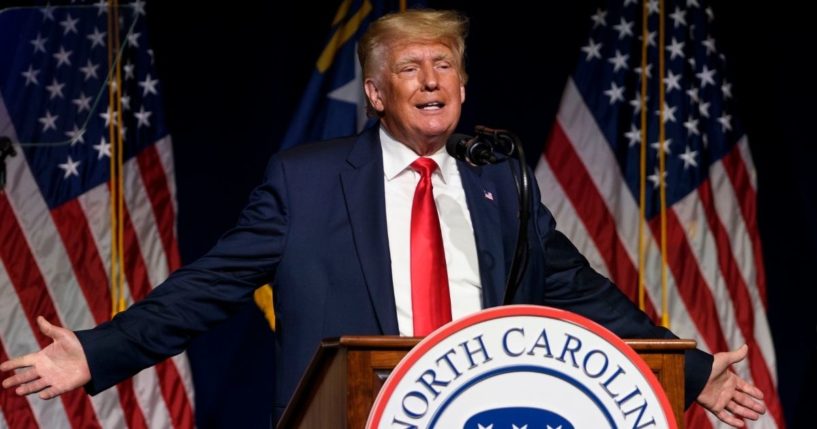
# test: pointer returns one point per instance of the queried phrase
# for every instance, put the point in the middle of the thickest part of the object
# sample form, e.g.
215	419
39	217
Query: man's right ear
374	95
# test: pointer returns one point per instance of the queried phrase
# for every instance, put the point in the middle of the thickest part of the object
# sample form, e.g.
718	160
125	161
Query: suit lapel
365	202
483	204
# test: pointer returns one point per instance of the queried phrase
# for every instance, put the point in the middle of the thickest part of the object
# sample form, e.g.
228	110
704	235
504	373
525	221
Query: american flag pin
489	195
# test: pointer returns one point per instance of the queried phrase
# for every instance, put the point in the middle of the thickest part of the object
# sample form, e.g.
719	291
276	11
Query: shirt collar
397	158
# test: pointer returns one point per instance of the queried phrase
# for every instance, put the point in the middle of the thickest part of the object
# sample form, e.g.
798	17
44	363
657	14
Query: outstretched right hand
52	371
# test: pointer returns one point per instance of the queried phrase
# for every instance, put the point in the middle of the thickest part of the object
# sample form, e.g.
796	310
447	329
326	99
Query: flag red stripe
16	409
690	282
35	299
696	418
589	205
181	411
72	225
747	198
134	417
158	191
170	382
739	294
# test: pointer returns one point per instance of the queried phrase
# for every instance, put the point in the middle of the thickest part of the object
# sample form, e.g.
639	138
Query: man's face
419	94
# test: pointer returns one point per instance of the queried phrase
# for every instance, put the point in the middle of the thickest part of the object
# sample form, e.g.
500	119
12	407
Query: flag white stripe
746	156
144	224
149	396
96	205
165	148
18	340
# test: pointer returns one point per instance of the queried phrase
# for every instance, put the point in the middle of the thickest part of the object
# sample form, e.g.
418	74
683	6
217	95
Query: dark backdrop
232	76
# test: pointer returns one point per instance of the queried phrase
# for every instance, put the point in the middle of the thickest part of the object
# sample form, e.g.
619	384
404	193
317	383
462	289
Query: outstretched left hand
728	396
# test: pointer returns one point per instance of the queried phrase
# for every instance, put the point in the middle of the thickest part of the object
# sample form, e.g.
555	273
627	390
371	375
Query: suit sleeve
196	297
571	284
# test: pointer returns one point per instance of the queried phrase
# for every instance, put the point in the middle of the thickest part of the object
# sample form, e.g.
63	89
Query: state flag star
31	75
125	102
149	86
352	92
143	117
55	89
490	426
49	121
706	76
70	167
519	427
652	6
69	25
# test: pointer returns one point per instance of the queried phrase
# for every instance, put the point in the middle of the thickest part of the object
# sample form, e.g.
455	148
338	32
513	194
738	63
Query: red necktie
430	302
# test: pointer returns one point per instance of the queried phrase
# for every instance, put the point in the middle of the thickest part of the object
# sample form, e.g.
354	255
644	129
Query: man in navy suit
329	229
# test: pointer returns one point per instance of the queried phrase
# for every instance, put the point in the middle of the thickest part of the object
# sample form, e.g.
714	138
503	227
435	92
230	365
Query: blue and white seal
512	366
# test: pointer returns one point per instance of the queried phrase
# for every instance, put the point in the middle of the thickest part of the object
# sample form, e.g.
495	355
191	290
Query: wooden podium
345	375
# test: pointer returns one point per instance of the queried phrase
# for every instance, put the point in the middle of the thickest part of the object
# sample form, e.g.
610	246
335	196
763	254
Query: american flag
590	177
55	221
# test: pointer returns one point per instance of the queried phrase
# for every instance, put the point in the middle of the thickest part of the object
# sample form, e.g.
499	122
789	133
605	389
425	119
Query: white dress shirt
455	223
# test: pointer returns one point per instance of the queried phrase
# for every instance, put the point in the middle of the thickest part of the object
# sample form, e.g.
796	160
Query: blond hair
447	27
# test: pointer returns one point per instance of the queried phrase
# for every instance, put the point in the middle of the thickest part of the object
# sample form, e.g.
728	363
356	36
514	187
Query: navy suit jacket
316	230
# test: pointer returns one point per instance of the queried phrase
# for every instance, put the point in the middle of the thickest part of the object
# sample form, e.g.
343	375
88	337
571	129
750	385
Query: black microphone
473	150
